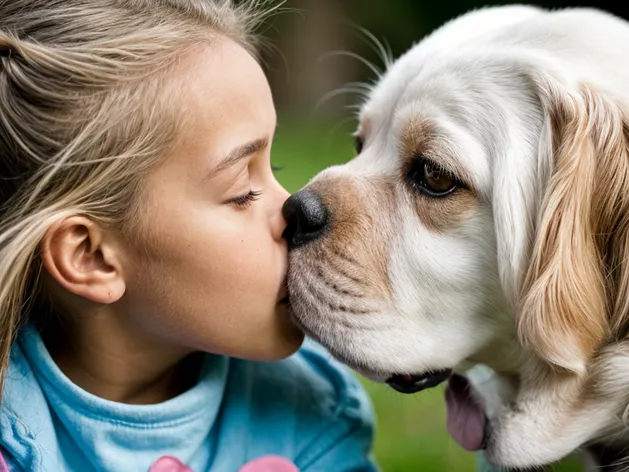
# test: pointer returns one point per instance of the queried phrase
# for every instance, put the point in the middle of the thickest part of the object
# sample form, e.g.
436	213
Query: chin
284	340
289	346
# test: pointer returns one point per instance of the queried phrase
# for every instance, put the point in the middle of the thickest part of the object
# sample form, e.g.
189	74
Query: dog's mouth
409	384
466	420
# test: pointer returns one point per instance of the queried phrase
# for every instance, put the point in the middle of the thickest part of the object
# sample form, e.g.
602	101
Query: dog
484	221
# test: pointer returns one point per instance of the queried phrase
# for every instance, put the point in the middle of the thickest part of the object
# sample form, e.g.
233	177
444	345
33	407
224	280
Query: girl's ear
84	259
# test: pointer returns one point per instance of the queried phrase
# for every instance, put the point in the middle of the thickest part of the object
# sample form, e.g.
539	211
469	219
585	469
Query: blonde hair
84	115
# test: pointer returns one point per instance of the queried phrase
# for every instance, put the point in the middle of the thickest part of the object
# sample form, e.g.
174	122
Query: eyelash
246	200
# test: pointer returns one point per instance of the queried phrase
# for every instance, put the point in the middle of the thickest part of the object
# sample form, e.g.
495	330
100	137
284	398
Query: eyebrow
237	154
424	138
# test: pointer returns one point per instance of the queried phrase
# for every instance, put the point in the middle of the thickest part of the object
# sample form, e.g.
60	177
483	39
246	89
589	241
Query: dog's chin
467	422
466	419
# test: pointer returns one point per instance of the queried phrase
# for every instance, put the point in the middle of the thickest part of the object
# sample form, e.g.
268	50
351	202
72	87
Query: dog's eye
358	144
431	179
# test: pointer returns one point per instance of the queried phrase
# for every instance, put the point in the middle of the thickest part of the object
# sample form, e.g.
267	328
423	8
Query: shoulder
343	439
321	404
318	385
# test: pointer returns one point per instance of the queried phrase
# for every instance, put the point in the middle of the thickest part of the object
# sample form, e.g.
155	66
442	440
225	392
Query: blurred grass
411	434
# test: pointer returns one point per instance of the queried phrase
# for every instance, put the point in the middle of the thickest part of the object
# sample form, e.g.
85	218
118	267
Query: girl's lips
283	295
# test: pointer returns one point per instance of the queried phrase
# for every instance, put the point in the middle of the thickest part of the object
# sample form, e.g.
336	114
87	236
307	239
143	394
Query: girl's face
207	269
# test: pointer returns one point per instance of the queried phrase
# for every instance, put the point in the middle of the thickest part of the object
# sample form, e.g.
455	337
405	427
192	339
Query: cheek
444	215
454	257
215	256
219	255
442	290
201	288
244	266
450	280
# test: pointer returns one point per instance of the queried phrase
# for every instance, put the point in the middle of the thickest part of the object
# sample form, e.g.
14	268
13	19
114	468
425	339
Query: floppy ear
569	300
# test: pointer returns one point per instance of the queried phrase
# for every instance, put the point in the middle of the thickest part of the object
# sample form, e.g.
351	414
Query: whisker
623	461
383	51
355	108
333	286
389	51
354	279
334	307
345	257
346	90
352	55
319	297
366	86
335	128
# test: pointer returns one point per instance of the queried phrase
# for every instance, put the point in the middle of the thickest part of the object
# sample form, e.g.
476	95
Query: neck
503	354
106	358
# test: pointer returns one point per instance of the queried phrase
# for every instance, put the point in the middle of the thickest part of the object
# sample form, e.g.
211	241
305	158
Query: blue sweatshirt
307	409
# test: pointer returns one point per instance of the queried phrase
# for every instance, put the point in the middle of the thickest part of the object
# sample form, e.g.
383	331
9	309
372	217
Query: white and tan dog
485	220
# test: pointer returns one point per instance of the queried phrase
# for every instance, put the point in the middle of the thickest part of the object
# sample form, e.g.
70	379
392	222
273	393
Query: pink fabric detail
3	465
270	464
168	464
263	464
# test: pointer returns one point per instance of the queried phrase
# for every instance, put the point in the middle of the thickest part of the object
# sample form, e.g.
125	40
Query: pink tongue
466	419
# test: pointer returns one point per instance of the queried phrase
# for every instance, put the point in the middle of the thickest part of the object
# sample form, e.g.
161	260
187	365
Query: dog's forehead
430	117
477	26
440	80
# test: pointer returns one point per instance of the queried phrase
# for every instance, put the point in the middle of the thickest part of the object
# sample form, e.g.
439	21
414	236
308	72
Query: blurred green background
314	133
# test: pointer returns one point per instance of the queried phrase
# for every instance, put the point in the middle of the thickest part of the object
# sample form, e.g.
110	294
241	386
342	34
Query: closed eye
244	201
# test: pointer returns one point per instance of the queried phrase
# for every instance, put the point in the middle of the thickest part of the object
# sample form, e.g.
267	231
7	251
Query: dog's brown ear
570	295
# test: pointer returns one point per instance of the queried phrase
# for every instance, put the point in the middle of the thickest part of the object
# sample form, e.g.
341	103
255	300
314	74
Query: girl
141	259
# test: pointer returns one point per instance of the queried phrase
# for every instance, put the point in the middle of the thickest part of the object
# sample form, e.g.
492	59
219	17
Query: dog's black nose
306	218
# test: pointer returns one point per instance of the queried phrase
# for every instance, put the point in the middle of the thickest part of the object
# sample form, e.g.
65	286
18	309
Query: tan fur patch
420	138
443	214
357	244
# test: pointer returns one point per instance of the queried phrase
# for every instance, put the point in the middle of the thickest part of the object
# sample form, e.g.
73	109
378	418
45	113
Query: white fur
453	293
